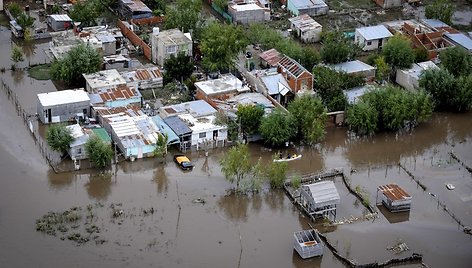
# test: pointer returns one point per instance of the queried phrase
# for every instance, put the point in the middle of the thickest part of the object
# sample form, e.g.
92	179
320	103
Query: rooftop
120	92
307	4
226	84
60	17
324	193
245	7
63	97
394	192
271	56
104	78
291	66
136	6
195	108
417	68
177	125
102	134
142	74
353	94
276	84
254	98
79	135
200	124
164	128
434	23
305	23
374	32
460	39
173	37
352	67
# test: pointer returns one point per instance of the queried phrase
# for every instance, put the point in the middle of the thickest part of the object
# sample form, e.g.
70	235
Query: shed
409	78
165	129
59	22
310	7
372	38
308	243
270	58
77	147
61	106
247	13
460	39
306	28
394	198
320	198
356	67
353	94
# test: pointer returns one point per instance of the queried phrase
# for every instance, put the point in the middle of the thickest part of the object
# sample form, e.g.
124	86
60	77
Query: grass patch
40	72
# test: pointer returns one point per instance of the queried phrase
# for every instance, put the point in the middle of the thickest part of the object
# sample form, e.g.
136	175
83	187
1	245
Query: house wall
199	142
159	50
303	82
389	3
135	40
58	25
247	16
109	48
78	152
404	79
312	11
62	113
311	36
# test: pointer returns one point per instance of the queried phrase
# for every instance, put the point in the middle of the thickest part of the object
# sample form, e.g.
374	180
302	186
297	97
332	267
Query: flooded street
228	230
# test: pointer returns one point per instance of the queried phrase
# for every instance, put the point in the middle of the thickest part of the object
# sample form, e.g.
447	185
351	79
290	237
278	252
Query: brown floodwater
229	230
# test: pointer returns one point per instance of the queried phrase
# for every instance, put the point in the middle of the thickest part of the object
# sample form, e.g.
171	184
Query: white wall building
306	28
167	43
372	37
409	78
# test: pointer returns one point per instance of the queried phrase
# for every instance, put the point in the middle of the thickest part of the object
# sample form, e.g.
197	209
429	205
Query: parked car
183	162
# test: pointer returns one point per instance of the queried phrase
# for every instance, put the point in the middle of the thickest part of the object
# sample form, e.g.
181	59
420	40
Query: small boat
449	186
292	157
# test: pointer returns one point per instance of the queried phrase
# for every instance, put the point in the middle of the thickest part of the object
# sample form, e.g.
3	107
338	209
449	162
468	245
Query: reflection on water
99	186
60	181
235	207
161	179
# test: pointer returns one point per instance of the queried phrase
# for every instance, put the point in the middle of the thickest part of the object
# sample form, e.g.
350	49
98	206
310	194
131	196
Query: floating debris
399	248
199	201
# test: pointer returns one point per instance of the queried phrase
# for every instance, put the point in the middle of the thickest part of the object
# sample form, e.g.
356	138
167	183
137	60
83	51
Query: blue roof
374	32
177	125
460	39
305	4
434	23
164	128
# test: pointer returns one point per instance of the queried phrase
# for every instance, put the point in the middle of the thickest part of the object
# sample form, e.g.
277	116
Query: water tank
155	31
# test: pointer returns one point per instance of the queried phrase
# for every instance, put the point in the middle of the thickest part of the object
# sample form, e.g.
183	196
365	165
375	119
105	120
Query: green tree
86	12
25	21
421	55
17	55
221	44
310	117
158	7
443	87
398	52
81	59
382	68
222	4
238	168
441	10
161	145
362	118
329	84
59	137
456	60
186	16
99	153
276	173
178	67
15	9
338	48
464	93
250	116
278	127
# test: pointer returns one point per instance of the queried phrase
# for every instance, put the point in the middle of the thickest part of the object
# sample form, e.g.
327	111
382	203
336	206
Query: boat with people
288	158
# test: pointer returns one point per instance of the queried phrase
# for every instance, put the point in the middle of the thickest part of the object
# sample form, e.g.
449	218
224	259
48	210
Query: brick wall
135	40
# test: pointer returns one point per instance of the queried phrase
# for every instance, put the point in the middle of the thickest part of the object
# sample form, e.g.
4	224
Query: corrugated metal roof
275	84
60	17
434	23
164	128
177	125
374	32
63	97
324	193
460	39
352	66
305	23
195	108
105	37
102	134
271	56
394	192
353	94
306	4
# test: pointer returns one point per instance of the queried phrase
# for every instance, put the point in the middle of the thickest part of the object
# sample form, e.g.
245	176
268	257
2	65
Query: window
369	43
171	49
202	135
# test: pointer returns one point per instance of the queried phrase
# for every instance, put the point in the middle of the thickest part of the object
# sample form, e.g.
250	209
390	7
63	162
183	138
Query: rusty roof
394	192
271	56
120	92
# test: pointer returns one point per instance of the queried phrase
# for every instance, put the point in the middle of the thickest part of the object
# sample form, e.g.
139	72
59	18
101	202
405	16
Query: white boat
449	186
292	157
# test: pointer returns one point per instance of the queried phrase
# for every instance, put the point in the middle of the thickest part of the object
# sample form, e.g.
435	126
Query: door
49	116
380	42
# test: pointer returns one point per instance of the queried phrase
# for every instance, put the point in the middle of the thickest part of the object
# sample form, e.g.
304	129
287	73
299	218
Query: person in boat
289	156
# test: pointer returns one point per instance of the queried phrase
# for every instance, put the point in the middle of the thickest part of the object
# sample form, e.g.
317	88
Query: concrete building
62	106
121	95
167	43
306	28
144	78
356	67
309	7
104	79
299	79
194	123
372	37
59	22
409	78
247	13
134	133
133	9
222	88
389	3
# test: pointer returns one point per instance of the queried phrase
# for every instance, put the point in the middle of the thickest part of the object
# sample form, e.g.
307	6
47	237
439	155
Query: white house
167	43
104	79
372	37
77	147
306	28
356	67
408	78
62	106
